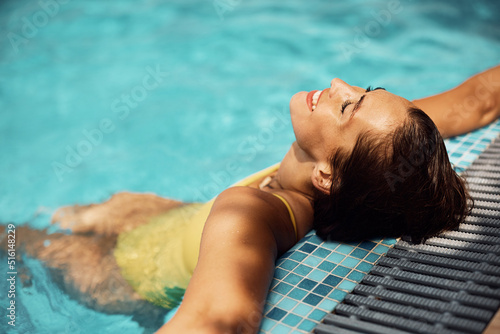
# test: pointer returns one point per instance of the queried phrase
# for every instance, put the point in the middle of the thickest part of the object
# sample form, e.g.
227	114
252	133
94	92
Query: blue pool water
184	98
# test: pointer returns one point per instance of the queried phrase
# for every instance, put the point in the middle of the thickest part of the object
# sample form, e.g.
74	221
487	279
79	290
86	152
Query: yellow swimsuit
158	258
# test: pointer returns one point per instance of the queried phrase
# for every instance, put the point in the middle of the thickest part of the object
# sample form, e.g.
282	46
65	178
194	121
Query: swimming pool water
184	98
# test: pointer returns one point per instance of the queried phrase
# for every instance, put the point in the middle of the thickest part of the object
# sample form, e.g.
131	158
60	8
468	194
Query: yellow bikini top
290	212
192	234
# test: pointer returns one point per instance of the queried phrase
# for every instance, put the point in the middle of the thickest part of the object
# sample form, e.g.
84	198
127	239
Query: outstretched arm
469	106
244	233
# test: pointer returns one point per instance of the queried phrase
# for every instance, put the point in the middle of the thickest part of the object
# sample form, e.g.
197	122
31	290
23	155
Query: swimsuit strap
292	216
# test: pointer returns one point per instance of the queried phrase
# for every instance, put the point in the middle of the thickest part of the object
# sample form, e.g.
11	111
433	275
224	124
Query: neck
295	173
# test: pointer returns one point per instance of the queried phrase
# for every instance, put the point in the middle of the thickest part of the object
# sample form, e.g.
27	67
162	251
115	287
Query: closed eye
344	105
348	102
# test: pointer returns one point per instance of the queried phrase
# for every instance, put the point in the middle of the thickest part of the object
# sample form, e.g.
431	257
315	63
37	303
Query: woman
365	163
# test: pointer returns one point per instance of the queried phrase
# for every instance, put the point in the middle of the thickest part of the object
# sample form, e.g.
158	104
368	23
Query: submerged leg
122	212
83	263
84	267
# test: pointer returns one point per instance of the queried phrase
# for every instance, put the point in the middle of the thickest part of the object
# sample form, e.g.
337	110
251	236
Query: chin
298	109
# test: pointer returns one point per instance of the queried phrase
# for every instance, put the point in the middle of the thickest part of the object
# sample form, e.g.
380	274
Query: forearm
236	264
469	106
235	271
229	286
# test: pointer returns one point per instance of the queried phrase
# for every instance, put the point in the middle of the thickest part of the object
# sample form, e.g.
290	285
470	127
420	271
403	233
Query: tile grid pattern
314	276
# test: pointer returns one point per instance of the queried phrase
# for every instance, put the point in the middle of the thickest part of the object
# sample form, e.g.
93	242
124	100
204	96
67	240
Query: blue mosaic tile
344	249
267	308
298	256
326	266
322	252
327	305
293	279
287	304
312	299
283	288
359	253
332	280
297	294
317	275
347	285
273	297
341	270
302	270
296	331
280	273
331	245
364	266
315	239
307	325
372	257
350	262
356	275
312	261
303	310
335	257
267	324
307	284
292	320
276	314
281	329
323	289
289	264
389	241
381	249
308	248
337	295
368	245
317	315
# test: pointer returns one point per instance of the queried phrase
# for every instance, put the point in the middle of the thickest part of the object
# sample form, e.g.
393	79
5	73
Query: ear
322	177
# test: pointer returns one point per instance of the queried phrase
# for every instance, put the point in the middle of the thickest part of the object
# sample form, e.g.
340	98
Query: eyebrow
358	104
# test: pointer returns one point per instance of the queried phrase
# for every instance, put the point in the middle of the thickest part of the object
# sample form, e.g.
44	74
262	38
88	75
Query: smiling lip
309	99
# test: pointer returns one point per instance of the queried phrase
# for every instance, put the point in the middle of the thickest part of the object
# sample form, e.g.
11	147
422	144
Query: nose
339	87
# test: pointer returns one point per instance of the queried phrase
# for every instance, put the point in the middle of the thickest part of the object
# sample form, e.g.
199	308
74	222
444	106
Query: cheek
332	135
327	141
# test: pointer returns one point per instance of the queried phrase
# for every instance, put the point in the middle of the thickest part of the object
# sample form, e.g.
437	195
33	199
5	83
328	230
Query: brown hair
392	185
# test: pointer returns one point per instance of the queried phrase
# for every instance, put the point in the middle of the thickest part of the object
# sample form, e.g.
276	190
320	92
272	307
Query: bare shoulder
257	206
245	200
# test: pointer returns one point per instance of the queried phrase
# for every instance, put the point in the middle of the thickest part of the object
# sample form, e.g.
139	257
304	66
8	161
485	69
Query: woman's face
326	120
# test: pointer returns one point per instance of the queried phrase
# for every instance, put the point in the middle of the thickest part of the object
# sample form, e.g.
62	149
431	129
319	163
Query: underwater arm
123	212
469	106
244	233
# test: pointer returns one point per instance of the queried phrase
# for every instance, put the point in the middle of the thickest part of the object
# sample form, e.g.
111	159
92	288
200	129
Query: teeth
315	99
